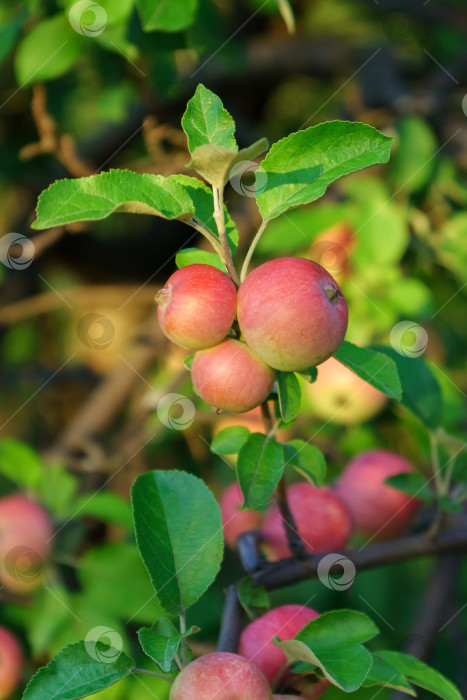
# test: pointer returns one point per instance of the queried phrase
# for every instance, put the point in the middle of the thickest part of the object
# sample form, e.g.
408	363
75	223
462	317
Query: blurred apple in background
11	663
332	249
235	521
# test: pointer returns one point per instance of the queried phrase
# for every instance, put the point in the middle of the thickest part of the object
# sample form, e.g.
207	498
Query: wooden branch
231	622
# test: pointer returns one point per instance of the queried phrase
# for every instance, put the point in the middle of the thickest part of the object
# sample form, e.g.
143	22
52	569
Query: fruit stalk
219	218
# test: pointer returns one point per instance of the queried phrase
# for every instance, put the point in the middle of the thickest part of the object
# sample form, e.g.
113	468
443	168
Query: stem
229	634
251	250
198	226
436	465
219	218
153	673
183	642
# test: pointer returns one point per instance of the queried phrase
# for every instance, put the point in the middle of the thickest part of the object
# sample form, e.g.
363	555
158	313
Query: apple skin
322	519
11	663
286	316
340	396
220	676
231	376
25	531
196	307
376	508
235	521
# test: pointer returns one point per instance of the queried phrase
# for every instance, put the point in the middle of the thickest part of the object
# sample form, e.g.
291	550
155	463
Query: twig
219	218
248	551
229	634
153	673
251	250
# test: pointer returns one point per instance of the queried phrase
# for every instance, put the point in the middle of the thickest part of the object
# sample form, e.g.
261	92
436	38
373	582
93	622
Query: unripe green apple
377	509
236	521
220	676
292	313
323	522
231	376
11	663
196	307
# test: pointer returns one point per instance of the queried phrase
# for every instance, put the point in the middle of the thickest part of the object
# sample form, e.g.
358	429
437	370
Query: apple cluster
289	314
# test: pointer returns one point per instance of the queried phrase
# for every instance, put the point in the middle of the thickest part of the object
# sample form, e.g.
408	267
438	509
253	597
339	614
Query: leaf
383	673
286	11
333	642
307	459
20	464
207	122
167	15
230	440
300	167
413	162
162	641
188	361
218	164
374	367
259	467
412	483
48	51
9	32
421	674
254	599
74	673
290	395
311	375
421	393
106	506
193	256
179	535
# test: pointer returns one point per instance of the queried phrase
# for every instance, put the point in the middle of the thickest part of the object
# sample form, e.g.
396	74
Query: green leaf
98	196
375	368
412	483
74	673
188	361
290	395
48	51
161	643
167	15
333	643
311	375
383	673
207	122
106	506
421	393
218	164
413	162
420	674
254	599
230	440
300	167
20	464
307	459
9	31
57	490
179	535
193	256
259	467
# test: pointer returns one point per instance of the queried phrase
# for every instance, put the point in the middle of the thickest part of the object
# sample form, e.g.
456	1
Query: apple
331	249
231	376
292	313
340	396
376	508
196	307
323	522
256	641
235	521
220	676
25	531
11	662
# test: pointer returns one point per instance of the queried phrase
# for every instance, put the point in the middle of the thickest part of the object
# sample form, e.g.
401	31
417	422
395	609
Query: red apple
231	376
292	313
323	522
340	396
376	508
11	662
220	676
25	531
196	307
235	521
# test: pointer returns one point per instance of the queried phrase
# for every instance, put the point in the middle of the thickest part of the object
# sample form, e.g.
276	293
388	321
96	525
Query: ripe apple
322	520
11	662
196	307
25	531
220	676
235	521
376	508
340	396
231	376
332	247
292	313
